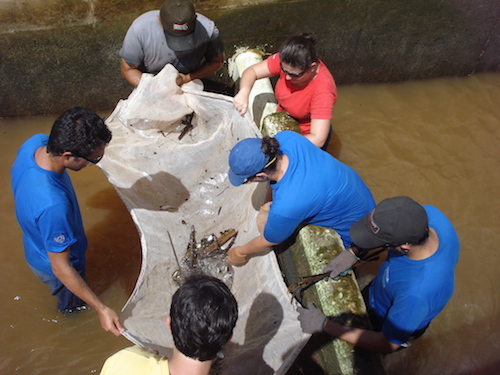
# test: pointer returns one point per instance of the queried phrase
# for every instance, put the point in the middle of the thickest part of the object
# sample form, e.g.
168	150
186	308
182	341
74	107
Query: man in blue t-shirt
47	209
309	186
175	35
412	286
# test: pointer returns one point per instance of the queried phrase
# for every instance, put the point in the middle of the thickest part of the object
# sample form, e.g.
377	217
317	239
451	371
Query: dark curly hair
203	315
299	51
78	130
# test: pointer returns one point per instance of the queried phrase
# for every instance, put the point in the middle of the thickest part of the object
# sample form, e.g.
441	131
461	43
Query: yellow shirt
135	360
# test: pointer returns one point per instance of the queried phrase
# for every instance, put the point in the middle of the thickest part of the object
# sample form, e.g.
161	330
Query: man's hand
312	319
110	321
234	257
340	263
182	79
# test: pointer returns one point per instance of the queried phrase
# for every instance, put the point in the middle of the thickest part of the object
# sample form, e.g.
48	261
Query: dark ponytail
271	148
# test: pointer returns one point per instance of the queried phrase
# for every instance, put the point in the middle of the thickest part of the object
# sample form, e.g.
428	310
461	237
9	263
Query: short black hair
78	130
203	314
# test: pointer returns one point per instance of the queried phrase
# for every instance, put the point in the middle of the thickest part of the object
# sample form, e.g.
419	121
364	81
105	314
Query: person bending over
412	286
309	186
175	35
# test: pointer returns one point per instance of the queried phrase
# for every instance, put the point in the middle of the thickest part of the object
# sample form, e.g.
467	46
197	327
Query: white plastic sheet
168	185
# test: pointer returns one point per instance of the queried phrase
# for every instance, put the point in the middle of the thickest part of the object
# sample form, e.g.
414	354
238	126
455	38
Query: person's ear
262	175
406	247
66	155
169	320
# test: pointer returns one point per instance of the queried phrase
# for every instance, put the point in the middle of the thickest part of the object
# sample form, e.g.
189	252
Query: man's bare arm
72	280
130	72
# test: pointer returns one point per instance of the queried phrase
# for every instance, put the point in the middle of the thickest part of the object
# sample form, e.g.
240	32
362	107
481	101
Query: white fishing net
170	185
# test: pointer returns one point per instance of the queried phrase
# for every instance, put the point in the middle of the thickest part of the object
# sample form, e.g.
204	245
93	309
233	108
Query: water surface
436	141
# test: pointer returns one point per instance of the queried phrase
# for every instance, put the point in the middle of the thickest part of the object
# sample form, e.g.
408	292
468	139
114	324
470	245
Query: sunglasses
93	161
249	179
294	75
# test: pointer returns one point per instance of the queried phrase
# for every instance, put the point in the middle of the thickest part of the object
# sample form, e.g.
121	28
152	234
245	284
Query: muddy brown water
436	141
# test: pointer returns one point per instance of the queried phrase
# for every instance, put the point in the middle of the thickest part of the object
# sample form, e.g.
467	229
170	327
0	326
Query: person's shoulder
285	135
437	219
34	142
325	72
149	14
146	18
275	56
206	22
288	134
40	138
274	64
135	351
274	59
433	213
292	137
132	360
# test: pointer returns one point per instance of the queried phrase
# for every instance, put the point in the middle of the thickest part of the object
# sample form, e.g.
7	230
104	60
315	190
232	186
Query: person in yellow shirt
202	317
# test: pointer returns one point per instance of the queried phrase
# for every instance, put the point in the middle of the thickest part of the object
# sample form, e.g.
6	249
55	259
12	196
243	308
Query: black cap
178	19
393	221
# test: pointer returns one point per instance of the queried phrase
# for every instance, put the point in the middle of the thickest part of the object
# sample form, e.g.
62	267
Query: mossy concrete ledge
307	254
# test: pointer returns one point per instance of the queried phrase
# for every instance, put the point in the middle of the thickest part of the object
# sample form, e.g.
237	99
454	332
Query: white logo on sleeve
60	238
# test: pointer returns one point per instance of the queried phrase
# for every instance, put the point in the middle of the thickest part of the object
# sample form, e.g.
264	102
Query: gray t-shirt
145	45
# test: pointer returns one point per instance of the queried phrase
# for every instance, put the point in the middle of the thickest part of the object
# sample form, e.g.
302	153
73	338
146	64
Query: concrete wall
58	53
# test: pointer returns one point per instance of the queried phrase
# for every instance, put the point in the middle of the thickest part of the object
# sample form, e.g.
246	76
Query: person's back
408	294
324	191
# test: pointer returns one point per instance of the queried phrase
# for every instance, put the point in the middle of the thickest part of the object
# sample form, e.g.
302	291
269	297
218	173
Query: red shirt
312	101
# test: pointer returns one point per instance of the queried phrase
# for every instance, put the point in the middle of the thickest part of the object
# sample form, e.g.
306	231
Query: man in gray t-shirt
175	34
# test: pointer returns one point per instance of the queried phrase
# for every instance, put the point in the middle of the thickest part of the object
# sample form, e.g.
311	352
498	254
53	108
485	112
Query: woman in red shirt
305	89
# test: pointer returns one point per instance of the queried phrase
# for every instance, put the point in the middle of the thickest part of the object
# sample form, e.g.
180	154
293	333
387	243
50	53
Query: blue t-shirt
316	189
47	210
407	294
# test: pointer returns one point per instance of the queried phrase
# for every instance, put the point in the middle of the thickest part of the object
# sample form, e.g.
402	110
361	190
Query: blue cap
245	160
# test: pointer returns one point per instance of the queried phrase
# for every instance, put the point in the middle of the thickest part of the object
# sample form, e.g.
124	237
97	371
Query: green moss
277	122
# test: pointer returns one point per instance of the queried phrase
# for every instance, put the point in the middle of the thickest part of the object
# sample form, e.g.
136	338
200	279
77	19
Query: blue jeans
67	301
